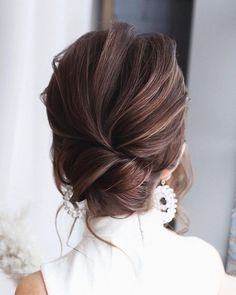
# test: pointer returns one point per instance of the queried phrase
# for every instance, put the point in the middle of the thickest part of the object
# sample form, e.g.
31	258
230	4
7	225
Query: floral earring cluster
75	210
165	201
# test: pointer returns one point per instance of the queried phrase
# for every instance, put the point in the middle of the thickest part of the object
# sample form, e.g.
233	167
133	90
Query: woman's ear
166	173
182	151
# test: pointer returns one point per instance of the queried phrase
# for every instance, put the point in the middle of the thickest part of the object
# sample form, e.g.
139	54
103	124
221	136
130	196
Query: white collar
138	226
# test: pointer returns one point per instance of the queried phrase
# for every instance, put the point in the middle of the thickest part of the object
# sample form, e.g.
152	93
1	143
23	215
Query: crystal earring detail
165	201
74	210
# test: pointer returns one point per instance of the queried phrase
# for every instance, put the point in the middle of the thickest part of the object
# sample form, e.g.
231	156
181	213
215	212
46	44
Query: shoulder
199	253
207	259
228	285
205	263
202	249
32	284
208	251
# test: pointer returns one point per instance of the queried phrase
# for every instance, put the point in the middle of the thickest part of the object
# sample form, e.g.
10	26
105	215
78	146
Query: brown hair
116	103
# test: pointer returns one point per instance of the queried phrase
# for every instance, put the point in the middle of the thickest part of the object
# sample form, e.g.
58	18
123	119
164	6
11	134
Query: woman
117	106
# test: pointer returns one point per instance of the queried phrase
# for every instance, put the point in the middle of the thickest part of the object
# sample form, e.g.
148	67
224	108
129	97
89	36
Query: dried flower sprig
18	254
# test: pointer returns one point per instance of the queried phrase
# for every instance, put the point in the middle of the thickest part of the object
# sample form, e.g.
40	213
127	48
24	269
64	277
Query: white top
160	261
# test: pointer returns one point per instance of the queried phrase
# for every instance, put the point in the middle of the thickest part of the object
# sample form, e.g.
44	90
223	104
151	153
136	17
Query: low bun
103	176
116	104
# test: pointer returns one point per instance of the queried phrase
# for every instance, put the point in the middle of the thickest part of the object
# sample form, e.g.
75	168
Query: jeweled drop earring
165	201
74	210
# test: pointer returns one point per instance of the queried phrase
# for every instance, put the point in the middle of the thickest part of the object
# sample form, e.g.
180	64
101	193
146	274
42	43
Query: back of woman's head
116	103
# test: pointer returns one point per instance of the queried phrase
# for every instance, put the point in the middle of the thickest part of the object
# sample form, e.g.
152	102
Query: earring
77	209
165	201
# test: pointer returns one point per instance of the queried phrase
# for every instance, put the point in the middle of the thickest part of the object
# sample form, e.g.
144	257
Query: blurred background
31	33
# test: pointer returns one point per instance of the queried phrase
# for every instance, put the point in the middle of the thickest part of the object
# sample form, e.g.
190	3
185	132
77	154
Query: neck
122	228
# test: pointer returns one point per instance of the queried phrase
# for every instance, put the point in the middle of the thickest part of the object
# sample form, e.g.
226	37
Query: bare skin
32	284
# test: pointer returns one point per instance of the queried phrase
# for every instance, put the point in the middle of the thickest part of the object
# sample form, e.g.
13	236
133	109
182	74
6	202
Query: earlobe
165	174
